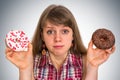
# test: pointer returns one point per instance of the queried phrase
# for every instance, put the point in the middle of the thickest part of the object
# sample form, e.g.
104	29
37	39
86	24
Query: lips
58	46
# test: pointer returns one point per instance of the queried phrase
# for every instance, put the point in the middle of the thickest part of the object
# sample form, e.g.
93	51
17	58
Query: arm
23	60
95	57
91	73
26	74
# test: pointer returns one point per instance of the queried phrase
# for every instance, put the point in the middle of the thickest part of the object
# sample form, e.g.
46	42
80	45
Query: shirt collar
71	60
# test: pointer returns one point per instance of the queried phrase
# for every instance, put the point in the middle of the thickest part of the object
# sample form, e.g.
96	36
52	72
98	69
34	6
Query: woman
57	51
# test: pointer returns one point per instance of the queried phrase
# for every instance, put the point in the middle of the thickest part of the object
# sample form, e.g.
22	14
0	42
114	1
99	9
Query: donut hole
103	38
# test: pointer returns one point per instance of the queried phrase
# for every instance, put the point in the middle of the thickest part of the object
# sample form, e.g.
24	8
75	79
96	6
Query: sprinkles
17	40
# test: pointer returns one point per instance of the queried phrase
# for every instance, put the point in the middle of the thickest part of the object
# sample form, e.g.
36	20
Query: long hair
58	14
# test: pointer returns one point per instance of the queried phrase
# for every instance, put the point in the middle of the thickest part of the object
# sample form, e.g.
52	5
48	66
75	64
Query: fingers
8	50
111	50
9	54
106	56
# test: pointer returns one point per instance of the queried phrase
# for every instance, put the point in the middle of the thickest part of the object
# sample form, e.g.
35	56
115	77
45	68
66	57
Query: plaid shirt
70	70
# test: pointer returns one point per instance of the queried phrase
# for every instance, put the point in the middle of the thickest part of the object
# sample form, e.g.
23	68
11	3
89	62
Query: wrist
91	72
91	67
26	74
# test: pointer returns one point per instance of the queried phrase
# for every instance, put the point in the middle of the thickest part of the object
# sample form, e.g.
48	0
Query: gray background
90	15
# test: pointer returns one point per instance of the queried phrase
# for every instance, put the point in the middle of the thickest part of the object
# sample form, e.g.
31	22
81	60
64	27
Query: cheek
46	38
68	40
48	41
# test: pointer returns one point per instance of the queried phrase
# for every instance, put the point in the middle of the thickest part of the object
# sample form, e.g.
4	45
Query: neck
58	60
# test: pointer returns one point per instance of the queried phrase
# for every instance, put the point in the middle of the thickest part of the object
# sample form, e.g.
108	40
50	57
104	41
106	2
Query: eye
65	31
50	32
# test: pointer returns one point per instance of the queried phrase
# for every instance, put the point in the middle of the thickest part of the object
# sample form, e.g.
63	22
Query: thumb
90	45
30	47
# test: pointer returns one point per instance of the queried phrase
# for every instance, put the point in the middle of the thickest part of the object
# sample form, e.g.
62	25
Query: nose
57	37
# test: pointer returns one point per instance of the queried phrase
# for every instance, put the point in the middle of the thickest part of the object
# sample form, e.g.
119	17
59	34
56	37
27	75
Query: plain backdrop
89	14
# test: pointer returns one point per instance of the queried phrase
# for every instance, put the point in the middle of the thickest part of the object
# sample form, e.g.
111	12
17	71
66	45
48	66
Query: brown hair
57	15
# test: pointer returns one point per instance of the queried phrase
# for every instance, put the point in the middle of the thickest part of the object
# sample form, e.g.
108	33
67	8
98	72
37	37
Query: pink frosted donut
17	40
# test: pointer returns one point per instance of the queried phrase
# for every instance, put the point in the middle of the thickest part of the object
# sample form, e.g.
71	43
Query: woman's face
58	39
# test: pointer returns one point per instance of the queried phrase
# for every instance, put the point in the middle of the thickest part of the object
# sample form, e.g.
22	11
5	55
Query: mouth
58	46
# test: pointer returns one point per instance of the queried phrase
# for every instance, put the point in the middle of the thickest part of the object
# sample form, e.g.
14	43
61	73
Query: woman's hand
96	57
22	59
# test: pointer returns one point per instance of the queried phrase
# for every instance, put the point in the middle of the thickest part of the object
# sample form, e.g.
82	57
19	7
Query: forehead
52	25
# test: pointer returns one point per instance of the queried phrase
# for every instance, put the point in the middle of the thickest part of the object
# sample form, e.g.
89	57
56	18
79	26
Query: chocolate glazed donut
103	38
